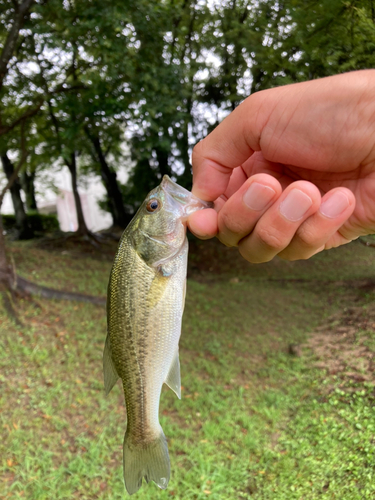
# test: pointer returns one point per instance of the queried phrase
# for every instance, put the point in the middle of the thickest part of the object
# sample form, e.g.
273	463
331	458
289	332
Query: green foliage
303	40
40	223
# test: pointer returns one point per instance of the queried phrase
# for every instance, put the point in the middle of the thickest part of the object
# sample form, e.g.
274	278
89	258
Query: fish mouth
189	201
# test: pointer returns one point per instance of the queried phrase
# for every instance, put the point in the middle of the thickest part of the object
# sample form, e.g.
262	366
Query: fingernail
258	196
335	205
295	205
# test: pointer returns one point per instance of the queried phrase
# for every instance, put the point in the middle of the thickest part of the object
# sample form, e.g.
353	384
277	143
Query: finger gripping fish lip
184	197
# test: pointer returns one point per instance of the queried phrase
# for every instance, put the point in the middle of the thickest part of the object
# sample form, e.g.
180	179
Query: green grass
253	422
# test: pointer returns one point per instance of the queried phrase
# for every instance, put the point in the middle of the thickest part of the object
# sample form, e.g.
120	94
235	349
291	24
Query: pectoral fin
109	370
173	379
157	289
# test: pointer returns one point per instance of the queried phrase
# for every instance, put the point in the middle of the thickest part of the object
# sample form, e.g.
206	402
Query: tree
88	123
16	15
193	71
168	60
305	40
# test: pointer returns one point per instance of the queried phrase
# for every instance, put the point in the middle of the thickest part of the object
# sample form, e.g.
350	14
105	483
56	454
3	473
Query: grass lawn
254	422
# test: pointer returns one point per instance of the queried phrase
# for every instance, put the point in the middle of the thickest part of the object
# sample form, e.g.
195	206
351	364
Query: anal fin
173	379
109	370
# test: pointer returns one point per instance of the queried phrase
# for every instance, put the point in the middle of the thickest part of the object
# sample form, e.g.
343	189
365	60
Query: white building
54	196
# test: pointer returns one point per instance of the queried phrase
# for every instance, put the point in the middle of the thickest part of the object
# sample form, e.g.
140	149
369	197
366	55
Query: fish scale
146	295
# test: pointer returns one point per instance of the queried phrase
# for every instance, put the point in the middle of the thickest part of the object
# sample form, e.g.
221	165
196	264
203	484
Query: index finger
229	145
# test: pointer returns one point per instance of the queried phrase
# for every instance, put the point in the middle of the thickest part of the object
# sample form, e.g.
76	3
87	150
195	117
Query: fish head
158	230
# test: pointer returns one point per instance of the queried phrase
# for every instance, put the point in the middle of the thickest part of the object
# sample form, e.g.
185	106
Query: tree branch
10	43
21	119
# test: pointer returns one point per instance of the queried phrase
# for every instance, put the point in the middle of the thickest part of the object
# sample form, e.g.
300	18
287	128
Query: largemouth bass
145	302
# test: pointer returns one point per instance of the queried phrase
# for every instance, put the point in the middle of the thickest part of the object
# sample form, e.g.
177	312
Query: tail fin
150	461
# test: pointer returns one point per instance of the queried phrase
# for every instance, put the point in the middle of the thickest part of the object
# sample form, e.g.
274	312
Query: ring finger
322	227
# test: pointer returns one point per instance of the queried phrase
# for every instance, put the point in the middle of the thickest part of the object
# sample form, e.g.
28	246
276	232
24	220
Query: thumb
228	146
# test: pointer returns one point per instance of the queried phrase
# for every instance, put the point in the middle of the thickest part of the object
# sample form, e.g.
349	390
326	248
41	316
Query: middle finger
277	227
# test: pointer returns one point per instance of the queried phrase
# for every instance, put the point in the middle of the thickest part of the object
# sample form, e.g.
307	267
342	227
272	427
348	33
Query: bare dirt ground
344	345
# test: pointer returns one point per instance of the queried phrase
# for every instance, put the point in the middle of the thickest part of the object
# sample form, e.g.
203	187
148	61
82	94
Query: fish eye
153	205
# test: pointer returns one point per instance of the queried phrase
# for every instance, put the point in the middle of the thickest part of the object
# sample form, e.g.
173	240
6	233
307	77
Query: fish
145	303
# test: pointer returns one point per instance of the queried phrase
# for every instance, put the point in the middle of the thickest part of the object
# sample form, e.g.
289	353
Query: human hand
291	170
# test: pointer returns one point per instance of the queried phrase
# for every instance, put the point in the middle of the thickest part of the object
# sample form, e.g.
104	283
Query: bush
40	223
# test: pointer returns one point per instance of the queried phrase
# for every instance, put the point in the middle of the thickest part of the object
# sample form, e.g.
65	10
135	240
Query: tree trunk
120	217
5	273
27	182
186	178
72	166
24	230
7	277
162	156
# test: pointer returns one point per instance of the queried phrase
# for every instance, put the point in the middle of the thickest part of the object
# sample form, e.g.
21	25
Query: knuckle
306	237
296	252
254	257
226	240
271	238
228	222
